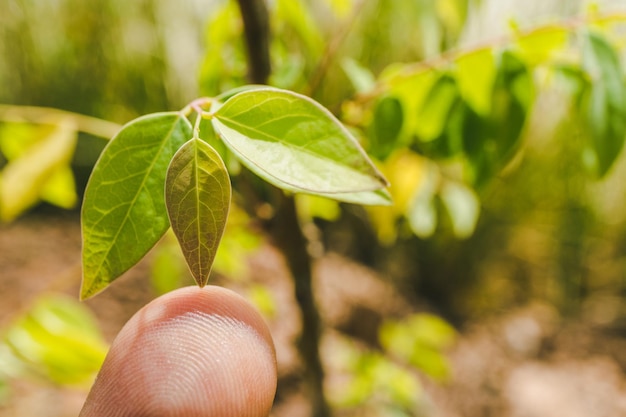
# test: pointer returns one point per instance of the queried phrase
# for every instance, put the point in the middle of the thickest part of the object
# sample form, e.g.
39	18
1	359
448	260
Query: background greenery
499	124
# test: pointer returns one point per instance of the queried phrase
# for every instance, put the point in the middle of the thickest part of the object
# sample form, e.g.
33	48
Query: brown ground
524	363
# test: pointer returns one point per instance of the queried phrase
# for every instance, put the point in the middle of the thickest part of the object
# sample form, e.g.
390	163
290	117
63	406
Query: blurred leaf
419	340
479	147
539	46
422	211
24	178
572	79
361	78
311	206
370	381
412	90
475	75
432	117
60	189
57	339
606	101
452	14
123	213
462	205
294	143
17	138
238	243
406	171
386	126
490	142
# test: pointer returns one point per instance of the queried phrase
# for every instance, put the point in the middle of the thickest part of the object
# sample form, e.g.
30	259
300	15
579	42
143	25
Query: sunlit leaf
606	101
17	138
197	196
405	170
475	75
60	188
310	206
123	213
539	46
294	143
24	178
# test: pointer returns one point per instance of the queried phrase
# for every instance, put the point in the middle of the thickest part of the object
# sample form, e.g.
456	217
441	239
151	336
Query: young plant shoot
161	171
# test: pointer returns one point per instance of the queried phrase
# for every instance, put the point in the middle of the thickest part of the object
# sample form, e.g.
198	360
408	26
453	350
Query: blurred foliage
56	340
386	382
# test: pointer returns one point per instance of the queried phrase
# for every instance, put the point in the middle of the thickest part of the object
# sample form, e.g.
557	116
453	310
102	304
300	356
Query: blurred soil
525	362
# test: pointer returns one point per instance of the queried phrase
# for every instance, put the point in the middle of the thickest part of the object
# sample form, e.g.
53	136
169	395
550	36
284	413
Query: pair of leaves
287	139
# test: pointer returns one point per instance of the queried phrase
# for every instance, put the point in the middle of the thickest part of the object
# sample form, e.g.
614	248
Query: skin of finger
192	352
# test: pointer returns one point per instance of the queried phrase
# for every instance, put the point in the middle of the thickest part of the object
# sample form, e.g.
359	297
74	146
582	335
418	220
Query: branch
257	32
87	124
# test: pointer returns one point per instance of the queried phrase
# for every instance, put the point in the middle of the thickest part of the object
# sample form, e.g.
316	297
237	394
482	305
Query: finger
192	352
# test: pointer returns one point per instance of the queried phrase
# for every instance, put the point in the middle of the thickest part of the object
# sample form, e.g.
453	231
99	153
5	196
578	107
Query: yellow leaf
24	178
60	189
541	45
475	75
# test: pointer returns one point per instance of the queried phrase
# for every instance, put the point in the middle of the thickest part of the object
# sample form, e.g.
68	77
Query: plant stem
285	228
257	32
87	124
288	237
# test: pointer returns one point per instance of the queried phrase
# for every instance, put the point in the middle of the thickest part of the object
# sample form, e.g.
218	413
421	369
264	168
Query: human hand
192	352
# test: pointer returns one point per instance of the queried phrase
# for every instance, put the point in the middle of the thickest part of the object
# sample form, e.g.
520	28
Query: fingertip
191	352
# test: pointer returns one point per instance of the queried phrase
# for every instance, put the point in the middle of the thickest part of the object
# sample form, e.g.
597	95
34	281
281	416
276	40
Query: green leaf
123	213
539	46
432	117
412	90
606	101
513	96
197	196
475	75
294	143
386	126
25	178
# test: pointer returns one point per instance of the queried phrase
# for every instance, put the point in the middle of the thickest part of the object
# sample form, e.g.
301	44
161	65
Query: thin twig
33	114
